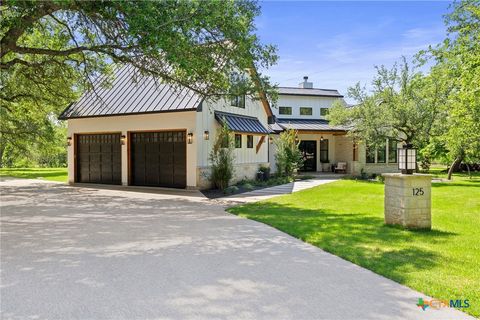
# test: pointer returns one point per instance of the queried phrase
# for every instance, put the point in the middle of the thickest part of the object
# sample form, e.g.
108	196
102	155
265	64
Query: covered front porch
328	152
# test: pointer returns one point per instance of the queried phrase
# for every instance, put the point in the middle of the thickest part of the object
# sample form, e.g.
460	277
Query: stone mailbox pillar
408	200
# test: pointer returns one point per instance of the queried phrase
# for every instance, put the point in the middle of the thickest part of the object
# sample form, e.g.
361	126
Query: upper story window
324	111
306	111
238	101
238	141
285	110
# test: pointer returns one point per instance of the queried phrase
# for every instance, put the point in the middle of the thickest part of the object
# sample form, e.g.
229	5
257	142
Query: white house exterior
141	132
304	109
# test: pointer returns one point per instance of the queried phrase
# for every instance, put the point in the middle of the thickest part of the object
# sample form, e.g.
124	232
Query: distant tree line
438	112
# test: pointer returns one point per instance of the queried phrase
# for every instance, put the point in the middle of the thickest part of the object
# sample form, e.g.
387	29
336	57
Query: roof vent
305	84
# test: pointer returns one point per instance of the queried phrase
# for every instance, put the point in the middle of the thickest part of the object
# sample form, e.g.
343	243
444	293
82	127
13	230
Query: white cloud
341	60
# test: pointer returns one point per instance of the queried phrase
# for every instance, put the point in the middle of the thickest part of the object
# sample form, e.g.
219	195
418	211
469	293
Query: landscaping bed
251	185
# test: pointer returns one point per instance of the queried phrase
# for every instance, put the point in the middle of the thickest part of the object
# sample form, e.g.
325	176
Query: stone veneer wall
242	171
381	168
408	200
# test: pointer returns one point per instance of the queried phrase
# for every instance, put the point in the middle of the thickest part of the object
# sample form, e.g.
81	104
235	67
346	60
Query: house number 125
418	192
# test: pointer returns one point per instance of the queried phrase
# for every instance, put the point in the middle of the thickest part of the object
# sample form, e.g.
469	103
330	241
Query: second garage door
159	159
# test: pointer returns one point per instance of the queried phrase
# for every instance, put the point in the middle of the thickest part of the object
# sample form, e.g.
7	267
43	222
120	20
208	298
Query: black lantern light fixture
321	138
270	139
123	139
190	138
407	159
69	141
206	135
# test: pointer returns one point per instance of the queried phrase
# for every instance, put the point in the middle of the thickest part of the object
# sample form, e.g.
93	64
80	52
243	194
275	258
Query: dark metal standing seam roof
240	123
309	92
131	93
308	124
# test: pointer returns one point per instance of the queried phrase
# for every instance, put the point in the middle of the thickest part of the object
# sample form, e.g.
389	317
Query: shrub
247	186
265	170
231	190
222	158
381	178
288	157
363	175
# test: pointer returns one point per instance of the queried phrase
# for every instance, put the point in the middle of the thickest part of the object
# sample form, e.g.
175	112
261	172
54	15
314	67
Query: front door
308	148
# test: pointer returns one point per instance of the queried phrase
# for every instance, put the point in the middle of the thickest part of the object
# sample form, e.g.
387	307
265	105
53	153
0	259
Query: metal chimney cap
305	78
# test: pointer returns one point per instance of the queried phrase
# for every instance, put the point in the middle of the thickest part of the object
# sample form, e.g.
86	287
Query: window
324	151
238	141
238	101
285	110
305	111
382	153
370	154
392	151
324	111
249	141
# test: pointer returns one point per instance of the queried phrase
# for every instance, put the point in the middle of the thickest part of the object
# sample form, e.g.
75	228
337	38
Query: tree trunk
454	165
2	149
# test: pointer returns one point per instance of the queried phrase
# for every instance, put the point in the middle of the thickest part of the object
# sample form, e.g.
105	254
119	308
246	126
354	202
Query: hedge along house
139	131
323	146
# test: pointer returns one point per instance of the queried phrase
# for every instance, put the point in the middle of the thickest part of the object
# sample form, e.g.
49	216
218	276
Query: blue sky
338	43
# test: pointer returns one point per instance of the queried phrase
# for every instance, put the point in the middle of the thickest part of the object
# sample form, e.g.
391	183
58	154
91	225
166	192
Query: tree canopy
52	50
439	112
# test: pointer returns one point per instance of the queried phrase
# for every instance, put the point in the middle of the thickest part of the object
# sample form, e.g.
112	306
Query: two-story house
148	133
304	109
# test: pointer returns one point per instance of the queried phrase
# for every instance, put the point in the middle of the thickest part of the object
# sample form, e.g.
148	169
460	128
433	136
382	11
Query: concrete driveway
80	253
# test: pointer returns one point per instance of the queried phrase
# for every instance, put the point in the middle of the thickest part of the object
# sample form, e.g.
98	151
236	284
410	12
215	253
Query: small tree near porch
222	158
288	157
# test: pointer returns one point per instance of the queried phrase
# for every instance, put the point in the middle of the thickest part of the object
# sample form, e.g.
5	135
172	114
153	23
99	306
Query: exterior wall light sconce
297	140
321	138
190	138
123	138
69	141
407	159
206	135
271	140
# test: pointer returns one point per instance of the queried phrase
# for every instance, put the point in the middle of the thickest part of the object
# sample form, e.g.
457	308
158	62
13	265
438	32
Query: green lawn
52	174
346	219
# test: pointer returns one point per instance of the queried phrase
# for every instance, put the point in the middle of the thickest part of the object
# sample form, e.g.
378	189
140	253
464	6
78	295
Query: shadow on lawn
363	240
466	183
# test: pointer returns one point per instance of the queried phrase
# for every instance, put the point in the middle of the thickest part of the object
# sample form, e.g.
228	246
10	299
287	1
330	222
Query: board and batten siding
247	160
143	122
303	101
206	122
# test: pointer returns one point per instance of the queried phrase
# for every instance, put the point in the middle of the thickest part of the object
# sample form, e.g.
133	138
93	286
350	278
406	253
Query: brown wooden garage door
159	159
99	158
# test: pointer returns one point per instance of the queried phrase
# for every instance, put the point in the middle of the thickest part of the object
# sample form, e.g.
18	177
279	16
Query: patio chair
341	167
